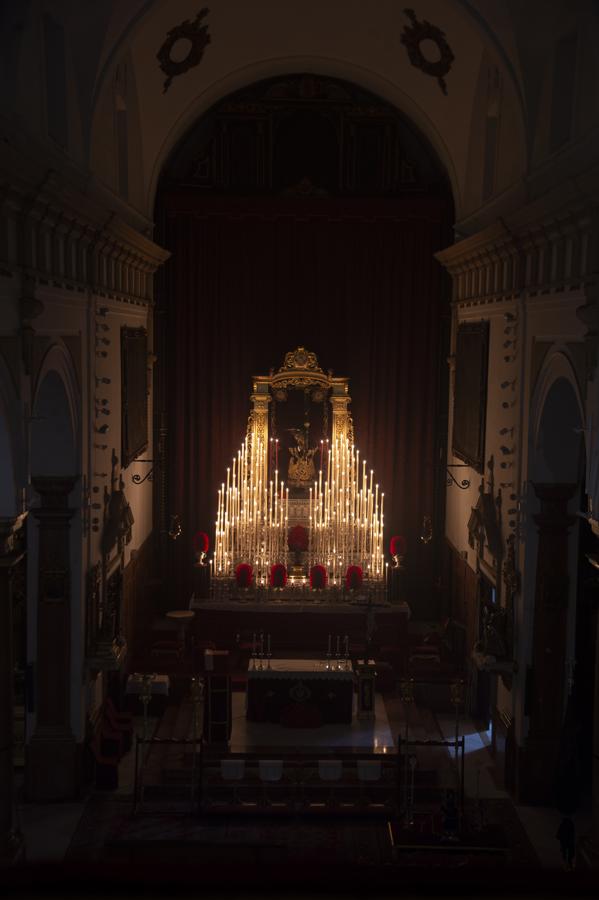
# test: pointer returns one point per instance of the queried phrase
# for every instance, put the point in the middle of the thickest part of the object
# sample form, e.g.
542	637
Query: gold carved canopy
299	371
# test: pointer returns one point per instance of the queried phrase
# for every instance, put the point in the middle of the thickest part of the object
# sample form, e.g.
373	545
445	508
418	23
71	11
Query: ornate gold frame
300	370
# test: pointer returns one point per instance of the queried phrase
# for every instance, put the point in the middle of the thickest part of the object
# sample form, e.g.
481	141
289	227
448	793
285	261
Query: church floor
101	827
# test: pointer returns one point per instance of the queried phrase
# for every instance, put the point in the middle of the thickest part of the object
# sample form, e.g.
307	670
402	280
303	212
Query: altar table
299	693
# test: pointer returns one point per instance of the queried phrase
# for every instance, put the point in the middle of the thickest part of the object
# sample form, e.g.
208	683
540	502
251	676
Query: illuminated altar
303	515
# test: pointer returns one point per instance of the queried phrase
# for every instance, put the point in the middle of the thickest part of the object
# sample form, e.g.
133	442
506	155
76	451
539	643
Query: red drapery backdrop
354	281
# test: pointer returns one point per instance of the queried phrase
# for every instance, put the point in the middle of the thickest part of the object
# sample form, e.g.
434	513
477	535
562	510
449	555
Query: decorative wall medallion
188	33
413	36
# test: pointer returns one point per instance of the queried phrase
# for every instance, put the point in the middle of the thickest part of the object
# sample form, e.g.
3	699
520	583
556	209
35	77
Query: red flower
201	542
397	547
318	577
353	578
278	575
244	575
297	539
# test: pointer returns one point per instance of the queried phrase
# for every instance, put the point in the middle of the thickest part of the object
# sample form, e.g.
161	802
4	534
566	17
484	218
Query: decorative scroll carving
196	34
412	37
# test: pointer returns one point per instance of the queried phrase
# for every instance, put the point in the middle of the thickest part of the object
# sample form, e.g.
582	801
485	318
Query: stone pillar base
12	848
52	768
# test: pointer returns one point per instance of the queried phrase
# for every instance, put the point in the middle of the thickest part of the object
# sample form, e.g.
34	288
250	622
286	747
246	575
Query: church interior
299	443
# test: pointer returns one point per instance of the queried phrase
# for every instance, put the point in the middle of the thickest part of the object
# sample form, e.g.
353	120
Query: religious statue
301	471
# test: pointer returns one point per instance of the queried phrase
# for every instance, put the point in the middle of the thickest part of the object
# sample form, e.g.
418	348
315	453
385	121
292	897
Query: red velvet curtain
355	282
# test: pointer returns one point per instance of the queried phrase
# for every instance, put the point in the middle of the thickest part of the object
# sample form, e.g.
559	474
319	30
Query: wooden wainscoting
462	593
139	603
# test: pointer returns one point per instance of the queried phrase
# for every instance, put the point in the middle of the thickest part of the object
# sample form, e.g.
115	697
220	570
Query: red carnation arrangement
318	578
278	575
297	539
353	578
201	542
244	575
397	546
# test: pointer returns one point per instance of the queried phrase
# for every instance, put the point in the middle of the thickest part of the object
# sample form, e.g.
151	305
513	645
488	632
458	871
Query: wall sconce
149	476
506	450
426	535
175	530
464	484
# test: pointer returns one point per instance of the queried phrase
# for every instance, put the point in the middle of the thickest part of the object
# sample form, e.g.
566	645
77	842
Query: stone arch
55	427
556	422
12	457
328	67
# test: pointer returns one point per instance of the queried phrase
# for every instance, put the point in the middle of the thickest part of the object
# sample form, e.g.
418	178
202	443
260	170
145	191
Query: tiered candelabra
253	513
346	515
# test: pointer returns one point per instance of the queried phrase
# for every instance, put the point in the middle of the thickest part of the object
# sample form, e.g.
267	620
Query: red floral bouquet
201	543
397	545
318	578
353	578
397	549
297	539
278	576
244	575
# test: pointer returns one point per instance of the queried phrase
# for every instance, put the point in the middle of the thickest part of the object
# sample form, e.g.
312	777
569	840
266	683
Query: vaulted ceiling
502	67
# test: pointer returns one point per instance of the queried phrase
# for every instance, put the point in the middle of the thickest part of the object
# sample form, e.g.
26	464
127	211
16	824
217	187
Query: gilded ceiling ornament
412	37
198	37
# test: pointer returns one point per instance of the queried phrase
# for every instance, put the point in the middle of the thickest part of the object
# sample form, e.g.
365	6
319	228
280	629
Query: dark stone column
546	689
11	553
51	770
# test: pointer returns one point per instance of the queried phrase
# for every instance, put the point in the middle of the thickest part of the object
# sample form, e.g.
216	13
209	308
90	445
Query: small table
300	693
182	617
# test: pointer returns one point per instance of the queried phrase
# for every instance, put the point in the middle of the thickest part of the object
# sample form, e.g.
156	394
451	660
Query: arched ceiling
349	39
511	42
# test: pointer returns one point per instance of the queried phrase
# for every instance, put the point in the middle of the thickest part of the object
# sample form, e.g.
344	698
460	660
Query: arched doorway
556	464
51	766
304	211
12	610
